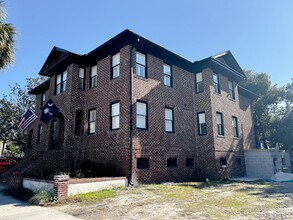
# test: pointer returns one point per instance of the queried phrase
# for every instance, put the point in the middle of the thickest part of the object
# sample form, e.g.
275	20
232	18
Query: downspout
130	111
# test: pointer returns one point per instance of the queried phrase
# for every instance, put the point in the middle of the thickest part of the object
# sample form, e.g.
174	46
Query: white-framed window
220	123
61	82
141	115
201	123
81	78
115	66
115	116
168	78
140	64
169	120
235	126
43	99
231	90
199	87
92	121
94	78
216	83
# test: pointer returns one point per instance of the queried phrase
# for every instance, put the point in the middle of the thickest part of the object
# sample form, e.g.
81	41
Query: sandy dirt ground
189	201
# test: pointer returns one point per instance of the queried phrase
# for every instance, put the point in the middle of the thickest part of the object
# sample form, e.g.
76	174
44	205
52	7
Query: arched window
78	122
57	132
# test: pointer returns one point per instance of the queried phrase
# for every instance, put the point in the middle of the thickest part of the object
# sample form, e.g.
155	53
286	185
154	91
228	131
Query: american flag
28	118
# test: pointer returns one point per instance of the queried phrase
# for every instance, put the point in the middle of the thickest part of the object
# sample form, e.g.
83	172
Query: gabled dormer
59	58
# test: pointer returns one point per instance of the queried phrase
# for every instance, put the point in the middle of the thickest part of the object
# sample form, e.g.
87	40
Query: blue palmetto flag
28	118
48	111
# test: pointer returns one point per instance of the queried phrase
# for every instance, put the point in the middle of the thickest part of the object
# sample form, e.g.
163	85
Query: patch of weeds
22	194
40	198
91	197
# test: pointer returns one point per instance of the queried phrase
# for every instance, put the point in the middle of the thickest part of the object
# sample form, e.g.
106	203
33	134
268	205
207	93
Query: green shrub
40	197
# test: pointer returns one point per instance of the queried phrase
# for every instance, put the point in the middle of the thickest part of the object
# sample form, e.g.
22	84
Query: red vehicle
5	163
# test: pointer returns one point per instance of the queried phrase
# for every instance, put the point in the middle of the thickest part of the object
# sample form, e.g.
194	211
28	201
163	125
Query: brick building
144	111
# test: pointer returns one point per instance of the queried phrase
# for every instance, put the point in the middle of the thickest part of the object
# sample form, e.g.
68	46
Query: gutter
130	111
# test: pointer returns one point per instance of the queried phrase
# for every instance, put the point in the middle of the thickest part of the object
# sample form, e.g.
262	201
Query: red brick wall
113	147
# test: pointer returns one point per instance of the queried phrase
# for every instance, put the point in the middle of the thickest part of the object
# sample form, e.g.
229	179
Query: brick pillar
61	185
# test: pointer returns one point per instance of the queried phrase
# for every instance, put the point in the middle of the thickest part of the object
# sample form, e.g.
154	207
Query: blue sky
259	33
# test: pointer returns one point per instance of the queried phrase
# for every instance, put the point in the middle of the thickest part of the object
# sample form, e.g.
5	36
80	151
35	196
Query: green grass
92	197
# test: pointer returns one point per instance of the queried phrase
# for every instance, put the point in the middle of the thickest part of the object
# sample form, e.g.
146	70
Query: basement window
142	163
172	162
223	161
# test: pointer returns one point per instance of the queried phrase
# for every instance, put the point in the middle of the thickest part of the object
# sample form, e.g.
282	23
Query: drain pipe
130	111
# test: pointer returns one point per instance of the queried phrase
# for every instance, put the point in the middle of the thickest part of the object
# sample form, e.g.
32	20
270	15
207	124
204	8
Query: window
198	83
40	131
55	131
115	116
172	162
115	66
61	81
142	163
78	122
93	81
189	162
43	99
220	124
283	161
223	161
169	120
29	138
140	64
92	121
167	75
216	83
231	90
235	127
81	78
201	123
141	115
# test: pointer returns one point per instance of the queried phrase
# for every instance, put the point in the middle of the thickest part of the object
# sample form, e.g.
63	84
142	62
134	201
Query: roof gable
228	59
55	54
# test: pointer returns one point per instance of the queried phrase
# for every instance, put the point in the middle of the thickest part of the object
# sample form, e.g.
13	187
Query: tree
7	33
267	109
12	108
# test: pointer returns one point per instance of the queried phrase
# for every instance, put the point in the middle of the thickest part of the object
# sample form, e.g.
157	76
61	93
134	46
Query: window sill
219	94
142	78
220	136
202	135
233	100
236	138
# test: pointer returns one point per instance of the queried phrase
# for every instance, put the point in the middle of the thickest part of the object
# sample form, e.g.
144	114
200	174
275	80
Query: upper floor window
115	116
201	123
40	131
216	83
43	99
189	162
141	64
198	83
61	81
235	126
141	115
81	78
167	75
92	121
115	66
231	90
93	81
169	120
220	124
